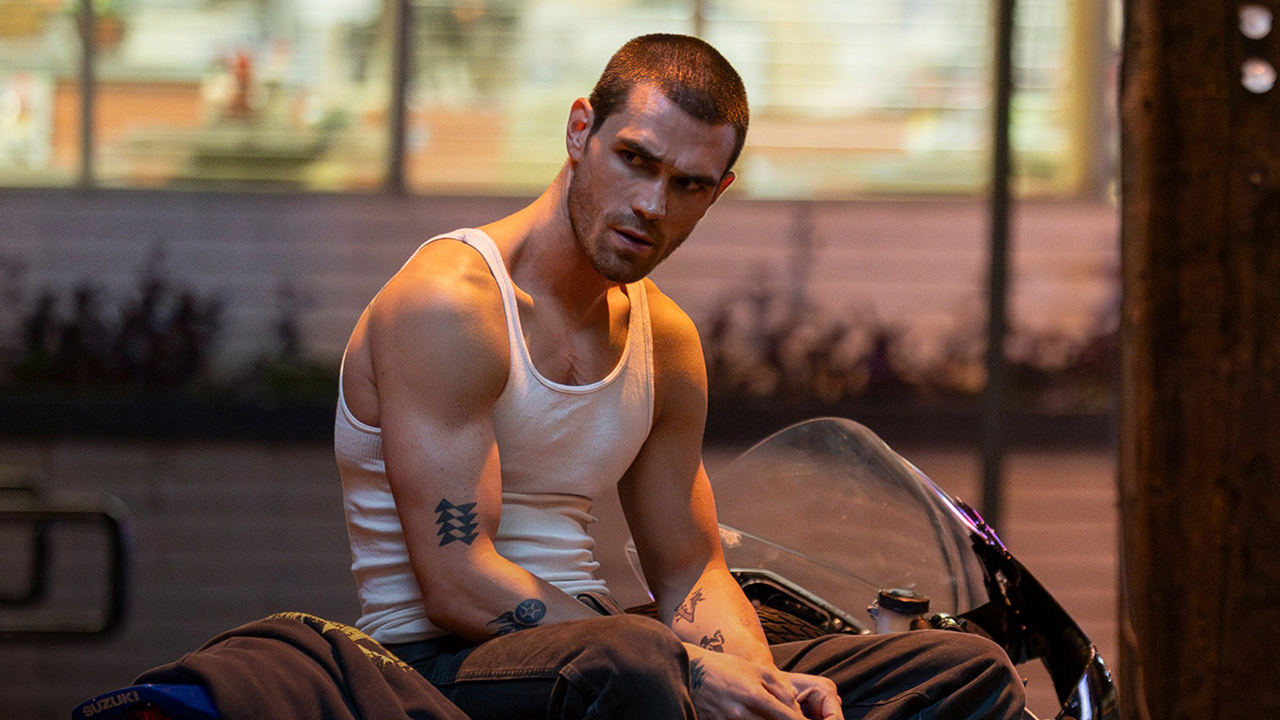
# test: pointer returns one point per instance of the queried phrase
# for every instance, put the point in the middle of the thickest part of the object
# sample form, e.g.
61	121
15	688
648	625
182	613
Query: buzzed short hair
687	70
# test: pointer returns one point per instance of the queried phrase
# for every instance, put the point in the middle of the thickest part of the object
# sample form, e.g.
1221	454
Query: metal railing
41	514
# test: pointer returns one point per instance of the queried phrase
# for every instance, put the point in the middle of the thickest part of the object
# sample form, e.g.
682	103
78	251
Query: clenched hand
727	687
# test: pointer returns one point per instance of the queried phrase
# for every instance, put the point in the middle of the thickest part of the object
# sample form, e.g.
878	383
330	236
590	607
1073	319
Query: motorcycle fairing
872	520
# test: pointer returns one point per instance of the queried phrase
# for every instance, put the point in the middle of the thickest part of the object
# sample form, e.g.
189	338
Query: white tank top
560	447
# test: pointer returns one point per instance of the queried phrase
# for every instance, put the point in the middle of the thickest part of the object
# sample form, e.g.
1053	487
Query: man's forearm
717	617
495	597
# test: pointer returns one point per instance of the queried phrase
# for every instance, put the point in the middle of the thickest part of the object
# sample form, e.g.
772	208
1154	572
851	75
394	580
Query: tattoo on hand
696	675
685	611
714	643
526	615
457	522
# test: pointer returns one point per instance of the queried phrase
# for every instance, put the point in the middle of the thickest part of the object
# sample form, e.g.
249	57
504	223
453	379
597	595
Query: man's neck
543	256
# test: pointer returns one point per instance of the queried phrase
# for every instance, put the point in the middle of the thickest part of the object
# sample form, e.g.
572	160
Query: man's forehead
656	124
650	100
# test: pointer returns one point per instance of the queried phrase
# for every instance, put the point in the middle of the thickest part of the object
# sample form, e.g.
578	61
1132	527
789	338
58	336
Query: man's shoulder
443	272
445	256
446	287
677	346
668	320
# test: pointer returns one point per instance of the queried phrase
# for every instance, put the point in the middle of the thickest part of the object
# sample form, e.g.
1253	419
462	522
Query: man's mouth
634	238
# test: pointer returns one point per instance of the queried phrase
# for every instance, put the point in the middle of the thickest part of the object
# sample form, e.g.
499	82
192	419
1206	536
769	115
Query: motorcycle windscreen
829	506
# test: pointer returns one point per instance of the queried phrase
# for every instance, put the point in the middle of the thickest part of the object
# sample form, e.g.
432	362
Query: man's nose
650	202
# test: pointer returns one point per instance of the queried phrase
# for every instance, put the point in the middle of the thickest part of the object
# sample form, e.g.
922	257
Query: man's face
642	182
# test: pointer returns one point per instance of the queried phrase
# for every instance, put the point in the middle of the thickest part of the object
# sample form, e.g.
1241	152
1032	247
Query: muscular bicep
439	358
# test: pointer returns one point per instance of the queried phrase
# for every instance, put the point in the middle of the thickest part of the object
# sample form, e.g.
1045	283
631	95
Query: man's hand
726	686
817	697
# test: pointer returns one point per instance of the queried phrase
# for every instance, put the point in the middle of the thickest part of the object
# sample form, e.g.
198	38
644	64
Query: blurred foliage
771	346
160	339
286	374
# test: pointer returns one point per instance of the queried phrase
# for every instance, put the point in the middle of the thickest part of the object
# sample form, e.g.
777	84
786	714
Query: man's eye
631	158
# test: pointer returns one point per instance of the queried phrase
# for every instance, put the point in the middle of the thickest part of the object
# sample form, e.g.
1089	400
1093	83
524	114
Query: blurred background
198	197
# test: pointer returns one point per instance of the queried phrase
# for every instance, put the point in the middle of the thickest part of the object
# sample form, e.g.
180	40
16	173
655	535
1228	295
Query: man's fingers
781	688
818	705
819	699
781	698
737	688
770	707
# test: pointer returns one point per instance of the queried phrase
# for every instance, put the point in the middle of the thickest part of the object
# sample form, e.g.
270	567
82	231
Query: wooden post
1200	389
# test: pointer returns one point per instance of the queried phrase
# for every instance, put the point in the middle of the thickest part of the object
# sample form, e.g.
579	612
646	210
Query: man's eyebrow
651	157
638	148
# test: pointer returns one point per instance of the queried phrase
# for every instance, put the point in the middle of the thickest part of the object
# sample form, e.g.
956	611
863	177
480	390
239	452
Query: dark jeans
629	667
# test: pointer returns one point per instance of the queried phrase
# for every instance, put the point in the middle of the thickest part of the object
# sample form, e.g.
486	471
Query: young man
507	375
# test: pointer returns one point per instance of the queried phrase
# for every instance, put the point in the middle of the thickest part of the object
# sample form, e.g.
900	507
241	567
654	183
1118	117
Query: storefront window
492	82
888	96
242	94
893	96
848	99
39	94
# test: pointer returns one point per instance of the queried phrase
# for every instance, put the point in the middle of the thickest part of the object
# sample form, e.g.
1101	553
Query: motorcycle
824	526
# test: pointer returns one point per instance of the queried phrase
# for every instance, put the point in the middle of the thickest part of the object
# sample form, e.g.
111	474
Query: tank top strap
488	249
640	337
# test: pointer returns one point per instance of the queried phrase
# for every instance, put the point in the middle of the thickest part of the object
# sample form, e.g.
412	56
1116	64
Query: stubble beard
609	266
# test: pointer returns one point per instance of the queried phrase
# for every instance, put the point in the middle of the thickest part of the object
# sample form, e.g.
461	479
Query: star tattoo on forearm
686	609
526	615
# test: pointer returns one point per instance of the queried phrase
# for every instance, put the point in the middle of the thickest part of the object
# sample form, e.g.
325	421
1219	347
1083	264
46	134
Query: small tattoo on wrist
714	643
457	522
686	609
526	615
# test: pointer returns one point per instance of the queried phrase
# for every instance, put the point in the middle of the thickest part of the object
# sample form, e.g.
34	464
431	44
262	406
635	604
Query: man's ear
725	182
581	118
